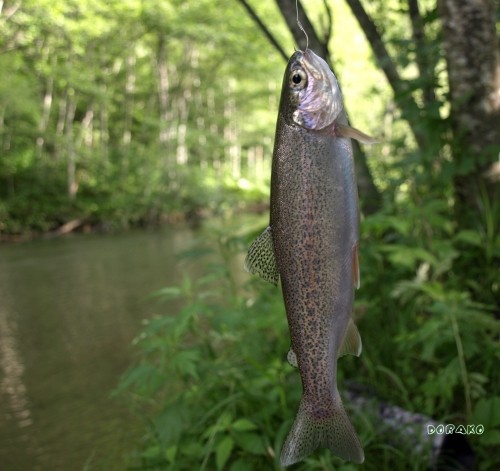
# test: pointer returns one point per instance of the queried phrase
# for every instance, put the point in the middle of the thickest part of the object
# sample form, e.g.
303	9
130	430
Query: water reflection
69	310
14	402
11	383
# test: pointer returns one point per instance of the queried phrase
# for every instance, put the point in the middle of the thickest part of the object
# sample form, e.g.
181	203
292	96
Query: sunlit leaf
243	425
223	451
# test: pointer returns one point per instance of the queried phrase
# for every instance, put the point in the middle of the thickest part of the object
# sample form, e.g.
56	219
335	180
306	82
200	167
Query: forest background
136	113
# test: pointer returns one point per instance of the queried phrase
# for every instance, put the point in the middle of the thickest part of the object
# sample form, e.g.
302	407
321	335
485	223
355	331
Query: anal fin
351	344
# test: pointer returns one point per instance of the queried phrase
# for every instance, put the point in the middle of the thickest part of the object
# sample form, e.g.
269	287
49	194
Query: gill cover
314	92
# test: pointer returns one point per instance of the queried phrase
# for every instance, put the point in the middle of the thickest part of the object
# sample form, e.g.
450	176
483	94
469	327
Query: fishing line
300	24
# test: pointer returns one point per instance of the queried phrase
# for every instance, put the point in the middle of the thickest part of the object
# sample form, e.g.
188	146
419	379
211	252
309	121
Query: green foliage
213	372
154	110
442	349
214	385
487	413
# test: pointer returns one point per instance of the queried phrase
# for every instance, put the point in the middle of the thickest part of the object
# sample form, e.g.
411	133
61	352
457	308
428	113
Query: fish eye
298	78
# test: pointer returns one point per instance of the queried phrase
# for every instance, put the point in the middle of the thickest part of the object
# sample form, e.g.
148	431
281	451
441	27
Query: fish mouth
306	59
314	65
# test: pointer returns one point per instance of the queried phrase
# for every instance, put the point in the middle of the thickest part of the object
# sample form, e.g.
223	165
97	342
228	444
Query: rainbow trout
311	244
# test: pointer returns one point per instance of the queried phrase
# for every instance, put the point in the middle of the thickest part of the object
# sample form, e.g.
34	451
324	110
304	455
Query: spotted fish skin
314	229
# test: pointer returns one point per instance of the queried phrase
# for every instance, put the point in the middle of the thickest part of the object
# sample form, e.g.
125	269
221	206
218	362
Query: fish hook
300	24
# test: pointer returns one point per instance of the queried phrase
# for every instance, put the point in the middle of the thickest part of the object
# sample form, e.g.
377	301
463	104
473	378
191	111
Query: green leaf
221	425
187	361
408	256
243	425
171	422
170	292
491	437
142	378
487	413
223	451
251	442
470	237
192	449
241	465
170	453
151	452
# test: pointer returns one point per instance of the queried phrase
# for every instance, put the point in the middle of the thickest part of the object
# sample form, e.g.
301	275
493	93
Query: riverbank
192	218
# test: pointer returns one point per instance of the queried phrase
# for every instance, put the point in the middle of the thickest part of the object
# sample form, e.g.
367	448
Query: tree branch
375	39
328	27
421	53
287	8
264	29
409	108
473	64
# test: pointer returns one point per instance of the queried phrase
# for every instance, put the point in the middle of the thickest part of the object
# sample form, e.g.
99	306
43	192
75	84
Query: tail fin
333	430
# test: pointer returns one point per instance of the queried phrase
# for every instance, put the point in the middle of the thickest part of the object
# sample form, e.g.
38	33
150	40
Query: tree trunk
2	129
129	101
70	148
231	147
103	127
163	92
85	136
182	104
44	120
5	137
473	60
61	120
168	125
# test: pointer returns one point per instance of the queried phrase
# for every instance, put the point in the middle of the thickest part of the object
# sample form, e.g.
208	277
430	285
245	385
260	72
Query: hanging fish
311	244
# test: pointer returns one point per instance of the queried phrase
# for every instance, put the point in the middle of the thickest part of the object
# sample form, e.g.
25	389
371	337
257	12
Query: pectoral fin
352	341
353	133
292	358
261	260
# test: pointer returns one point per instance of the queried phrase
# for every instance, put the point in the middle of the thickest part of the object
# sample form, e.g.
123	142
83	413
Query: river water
69	309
